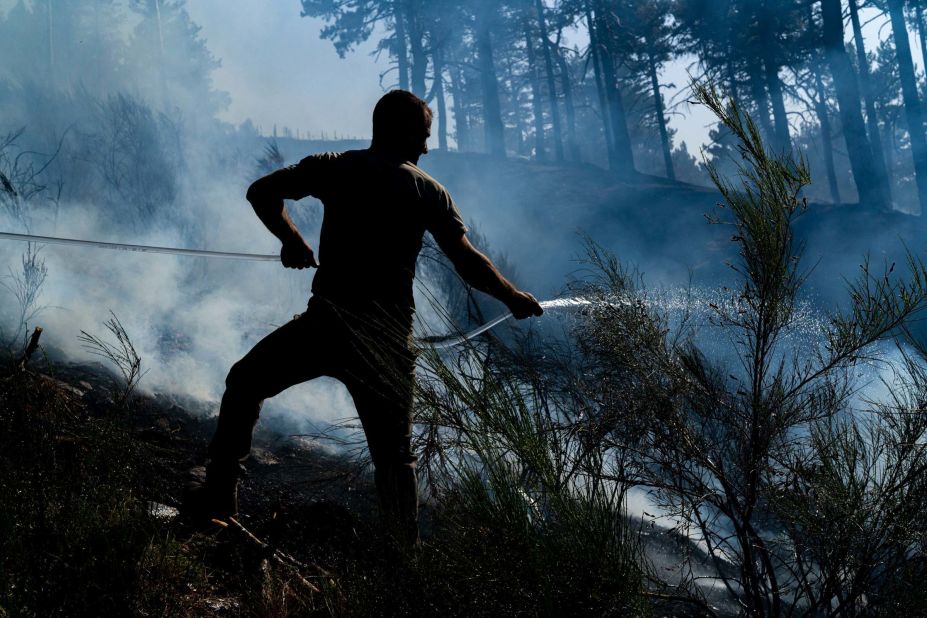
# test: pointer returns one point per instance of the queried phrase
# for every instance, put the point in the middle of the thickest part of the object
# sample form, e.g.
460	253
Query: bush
804	503
526	522
75	538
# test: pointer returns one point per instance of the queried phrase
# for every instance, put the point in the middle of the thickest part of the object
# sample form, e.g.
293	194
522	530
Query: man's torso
376	213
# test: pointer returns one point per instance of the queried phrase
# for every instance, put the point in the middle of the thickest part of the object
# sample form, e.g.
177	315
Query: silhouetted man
358	324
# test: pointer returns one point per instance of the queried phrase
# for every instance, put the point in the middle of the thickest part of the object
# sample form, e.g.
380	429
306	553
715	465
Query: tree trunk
438	62
402	57
889	141
872	121
596	52
161	72
661	119
624	156
921	35
731	78
419	58
912	104
461	120
756	78
773	85
871	190
537	109
820	107
729	63
507	66
51	45
492	109
921	31
781	119
551	82
568	103
823	113
827	145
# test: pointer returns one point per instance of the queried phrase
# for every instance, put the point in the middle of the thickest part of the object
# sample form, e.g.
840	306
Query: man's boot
397	491
211	493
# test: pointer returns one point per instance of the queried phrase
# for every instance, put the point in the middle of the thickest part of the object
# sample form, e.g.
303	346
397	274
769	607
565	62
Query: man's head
402	124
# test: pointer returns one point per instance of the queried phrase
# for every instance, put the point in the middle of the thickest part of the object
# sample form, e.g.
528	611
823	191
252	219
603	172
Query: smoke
188	318
141	158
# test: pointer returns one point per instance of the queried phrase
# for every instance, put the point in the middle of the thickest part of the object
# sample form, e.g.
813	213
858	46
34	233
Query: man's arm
479	271
266	197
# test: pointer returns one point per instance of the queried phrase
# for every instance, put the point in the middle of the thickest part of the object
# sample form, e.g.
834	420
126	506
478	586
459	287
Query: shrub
526	519
804	504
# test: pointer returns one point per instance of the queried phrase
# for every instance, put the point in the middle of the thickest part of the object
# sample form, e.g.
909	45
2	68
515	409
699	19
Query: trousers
368	348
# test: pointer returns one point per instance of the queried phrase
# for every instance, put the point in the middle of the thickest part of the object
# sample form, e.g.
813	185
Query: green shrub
804	502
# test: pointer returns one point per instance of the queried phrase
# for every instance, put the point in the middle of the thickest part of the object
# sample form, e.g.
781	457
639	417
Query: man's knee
238	412
241	378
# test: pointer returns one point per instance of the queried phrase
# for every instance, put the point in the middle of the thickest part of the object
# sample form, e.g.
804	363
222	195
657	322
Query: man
357	327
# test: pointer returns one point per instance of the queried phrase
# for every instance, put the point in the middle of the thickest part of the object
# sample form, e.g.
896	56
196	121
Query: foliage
74	45
137	155
456	302
521	490
22	177
116	153
75	539
270	160
122	354
762	455
26	287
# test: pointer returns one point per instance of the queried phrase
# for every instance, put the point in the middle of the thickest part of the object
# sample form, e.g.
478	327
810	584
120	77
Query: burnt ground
289	479
315	506
299	497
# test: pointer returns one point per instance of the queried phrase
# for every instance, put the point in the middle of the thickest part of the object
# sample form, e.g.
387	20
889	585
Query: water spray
435	341
448	341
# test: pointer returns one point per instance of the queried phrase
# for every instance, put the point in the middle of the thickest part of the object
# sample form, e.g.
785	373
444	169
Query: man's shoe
209	496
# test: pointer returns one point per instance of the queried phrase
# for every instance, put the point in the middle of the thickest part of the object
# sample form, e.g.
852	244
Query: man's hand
524	305
297	254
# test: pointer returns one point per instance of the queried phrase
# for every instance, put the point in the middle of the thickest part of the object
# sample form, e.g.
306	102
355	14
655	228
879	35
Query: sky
278	70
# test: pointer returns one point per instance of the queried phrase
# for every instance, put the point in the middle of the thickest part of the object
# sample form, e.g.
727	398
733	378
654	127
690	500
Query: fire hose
435	341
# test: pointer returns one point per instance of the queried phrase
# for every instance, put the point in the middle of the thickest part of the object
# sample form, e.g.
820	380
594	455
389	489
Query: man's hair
399	118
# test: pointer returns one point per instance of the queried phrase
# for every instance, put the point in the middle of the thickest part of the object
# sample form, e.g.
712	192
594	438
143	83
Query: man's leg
383	397
289	355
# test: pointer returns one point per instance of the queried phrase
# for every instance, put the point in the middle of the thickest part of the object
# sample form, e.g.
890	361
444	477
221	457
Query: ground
88	487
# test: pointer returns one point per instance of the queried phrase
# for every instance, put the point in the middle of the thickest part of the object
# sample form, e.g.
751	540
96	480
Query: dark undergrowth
75	538
78	536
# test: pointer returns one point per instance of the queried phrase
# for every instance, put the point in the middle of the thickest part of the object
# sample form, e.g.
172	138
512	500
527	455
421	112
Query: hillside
534	212
89	487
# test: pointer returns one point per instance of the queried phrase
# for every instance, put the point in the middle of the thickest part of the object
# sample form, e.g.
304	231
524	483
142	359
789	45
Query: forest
562	82
513	78
721	412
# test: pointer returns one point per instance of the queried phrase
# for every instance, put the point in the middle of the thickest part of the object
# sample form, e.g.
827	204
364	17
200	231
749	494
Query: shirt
376	212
